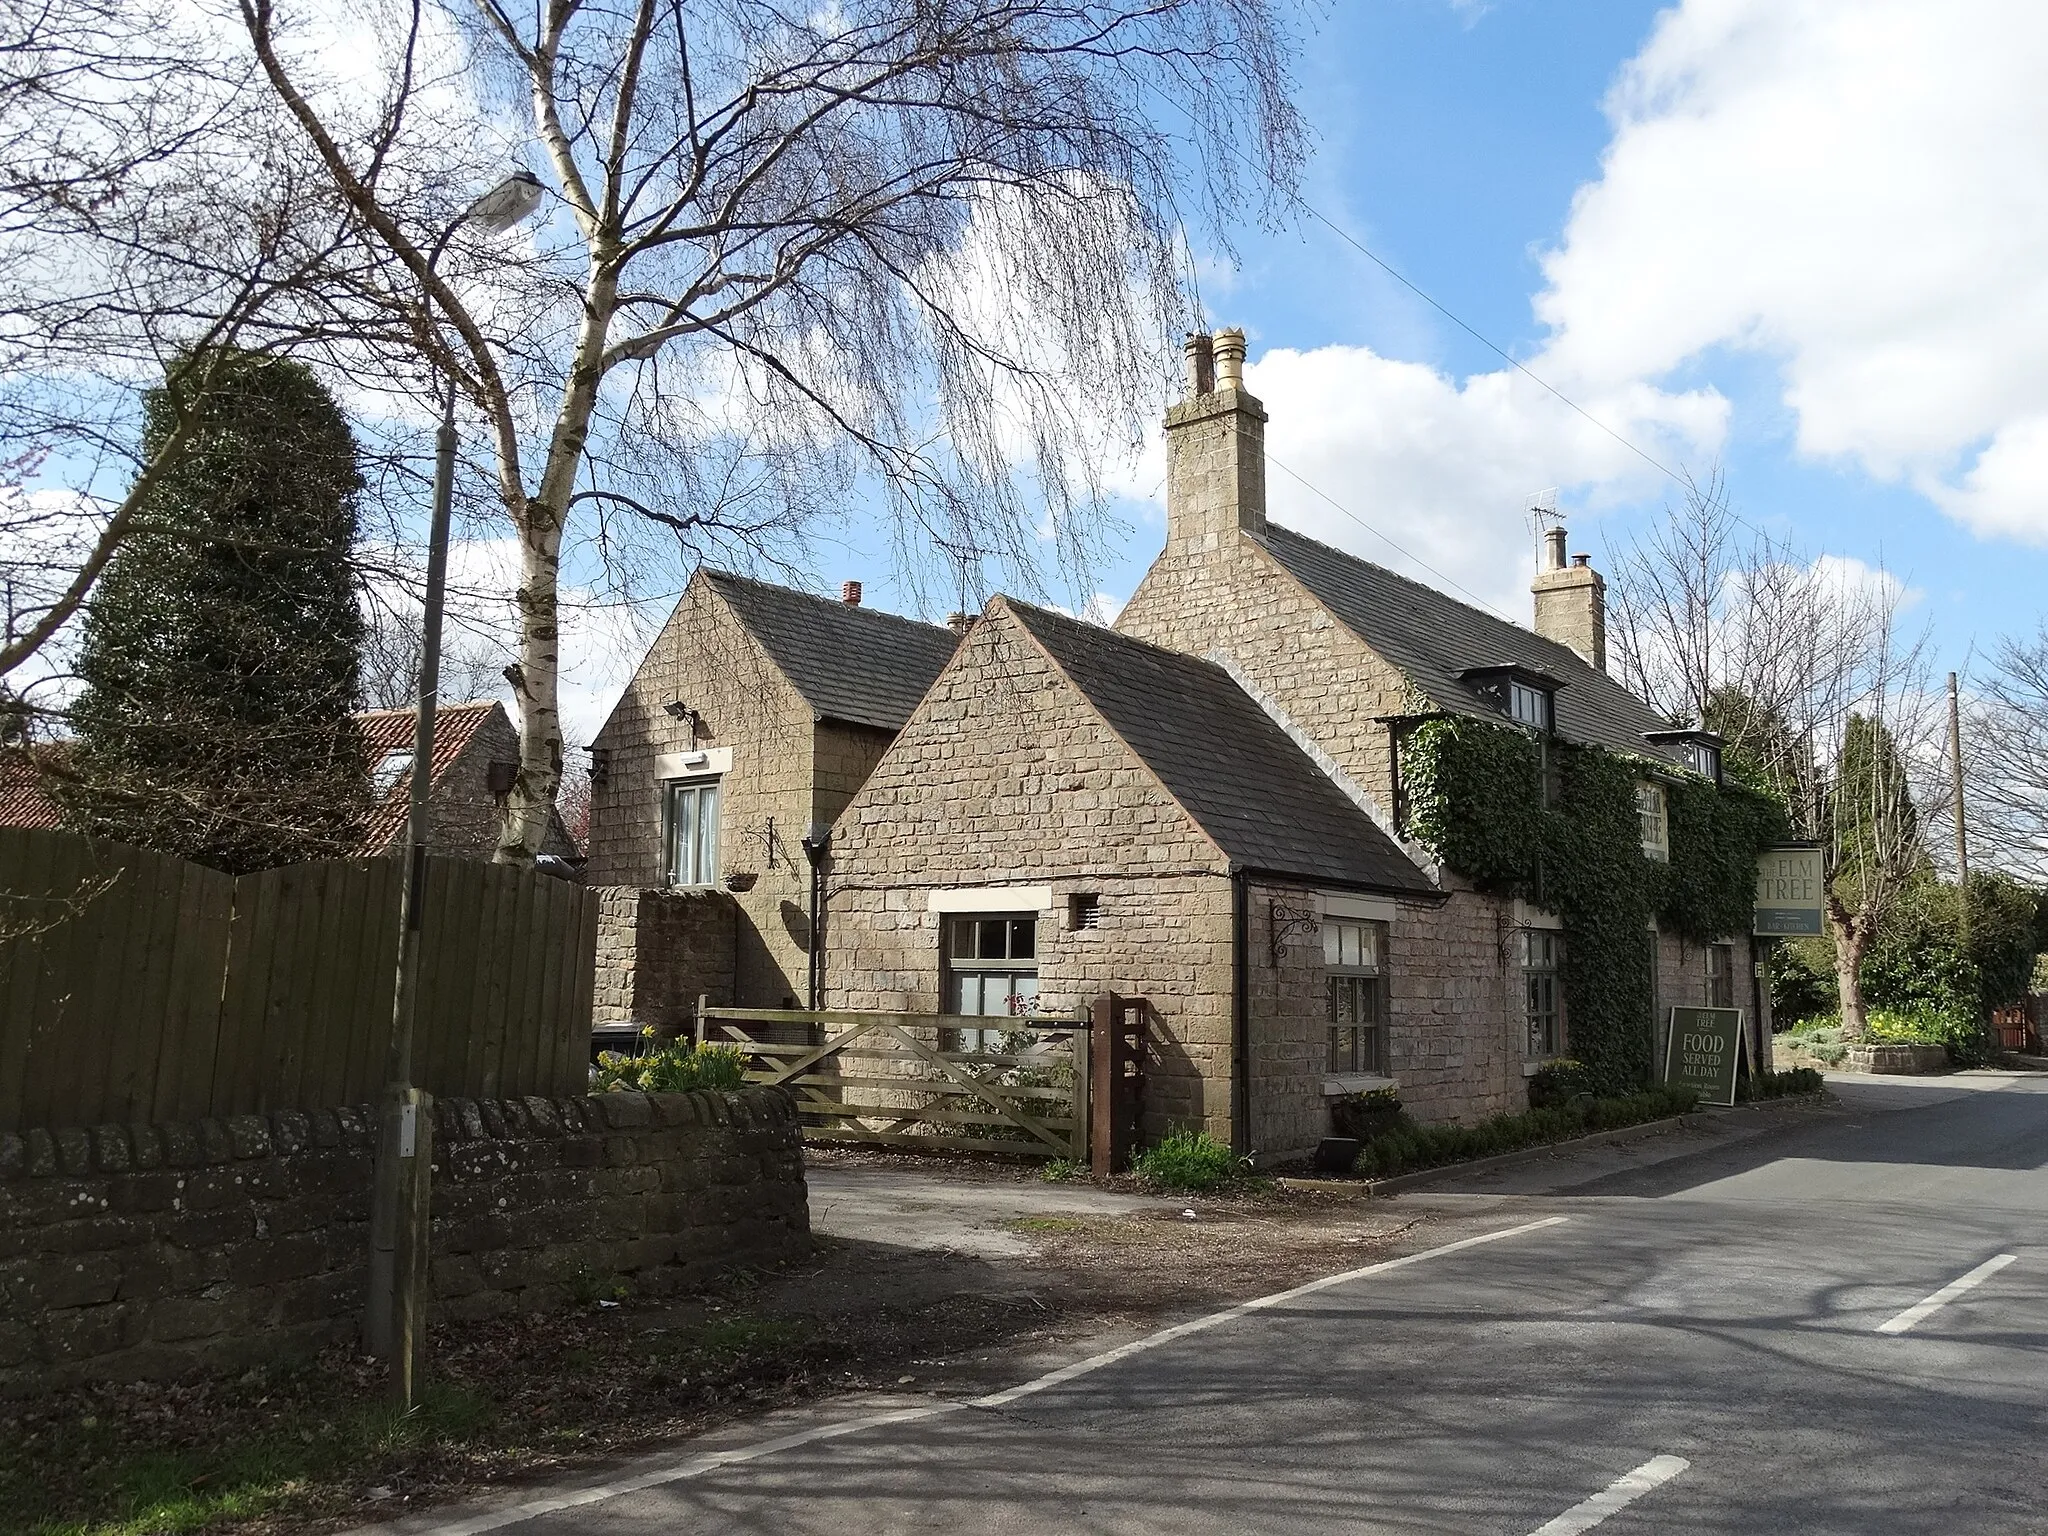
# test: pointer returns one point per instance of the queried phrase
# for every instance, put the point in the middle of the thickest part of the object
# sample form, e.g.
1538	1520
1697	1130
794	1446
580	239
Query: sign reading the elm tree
1788	893
1701	1051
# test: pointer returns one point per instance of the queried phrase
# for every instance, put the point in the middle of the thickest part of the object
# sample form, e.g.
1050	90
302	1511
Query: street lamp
399	1197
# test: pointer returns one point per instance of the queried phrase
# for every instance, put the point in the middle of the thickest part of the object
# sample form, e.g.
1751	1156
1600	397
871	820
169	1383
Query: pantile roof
1231	767
388	732
1434	639
24	801
850	663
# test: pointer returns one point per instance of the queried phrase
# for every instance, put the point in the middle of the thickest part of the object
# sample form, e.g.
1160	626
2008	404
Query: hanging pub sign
1788	893
1701	1051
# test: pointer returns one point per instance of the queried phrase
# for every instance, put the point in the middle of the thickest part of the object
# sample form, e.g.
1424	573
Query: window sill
1337	1087
1531	1068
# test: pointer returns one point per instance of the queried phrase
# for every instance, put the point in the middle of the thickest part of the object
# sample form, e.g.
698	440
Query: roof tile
1224	759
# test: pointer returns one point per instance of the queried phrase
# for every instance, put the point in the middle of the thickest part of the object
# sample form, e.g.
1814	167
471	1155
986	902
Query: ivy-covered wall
1473	793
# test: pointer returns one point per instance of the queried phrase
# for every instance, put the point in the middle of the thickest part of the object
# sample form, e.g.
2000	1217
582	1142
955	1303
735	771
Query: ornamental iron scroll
1290	923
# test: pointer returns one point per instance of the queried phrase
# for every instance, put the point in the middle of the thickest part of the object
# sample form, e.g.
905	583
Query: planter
1362	1122
1897	1059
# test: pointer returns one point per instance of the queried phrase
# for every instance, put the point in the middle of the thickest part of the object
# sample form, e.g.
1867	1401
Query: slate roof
1224	759
853	664
1433	638
390	730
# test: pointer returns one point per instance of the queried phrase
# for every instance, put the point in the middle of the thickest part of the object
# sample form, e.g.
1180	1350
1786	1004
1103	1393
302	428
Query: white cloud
1859	192
1445	468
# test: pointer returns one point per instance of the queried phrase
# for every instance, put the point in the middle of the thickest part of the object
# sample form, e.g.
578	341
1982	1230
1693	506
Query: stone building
476	754
754	717
1067	813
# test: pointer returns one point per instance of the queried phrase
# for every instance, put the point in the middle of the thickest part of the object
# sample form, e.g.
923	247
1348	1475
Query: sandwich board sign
1701	1051
1788	893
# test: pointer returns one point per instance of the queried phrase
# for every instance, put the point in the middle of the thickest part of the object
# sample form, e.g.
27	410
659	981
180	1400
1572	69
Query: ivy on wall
1473	796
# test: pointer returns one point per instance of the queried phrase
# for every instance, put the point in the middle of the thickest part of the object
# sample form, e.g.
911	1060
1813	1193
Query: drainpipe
1240	1013
817	845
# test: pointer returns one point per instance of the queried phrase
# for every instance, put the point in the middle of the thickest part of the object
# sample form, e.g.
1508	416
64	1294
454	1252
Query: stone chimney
1571	601
1215	450
849	593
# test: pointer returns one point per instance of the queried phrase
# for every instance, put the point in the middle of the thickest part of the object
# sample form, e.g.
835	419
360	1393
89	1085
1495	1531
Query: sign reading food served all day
1701	1052
1788	893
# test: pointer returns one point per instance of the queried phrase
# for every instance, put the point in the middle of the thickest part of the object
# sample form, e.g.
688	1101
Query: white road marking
1615	1497
1067	1373
1947	1294
710	1461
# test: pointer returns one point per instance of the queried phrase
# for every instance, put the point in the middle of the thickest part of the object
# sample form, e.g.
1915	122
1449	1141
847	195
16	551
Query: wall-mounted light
682	714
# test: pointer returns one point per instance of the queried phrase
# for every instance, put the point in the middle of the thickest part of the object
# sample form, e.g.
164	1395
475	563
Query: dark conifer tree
221	647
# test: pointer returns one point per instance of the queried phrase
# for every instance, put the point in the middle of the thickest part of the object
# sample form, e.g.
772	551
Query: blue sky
1454	138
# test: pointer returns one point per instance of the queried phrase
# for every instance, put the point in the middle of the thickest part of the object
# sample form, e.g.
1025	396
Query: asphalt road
1694	1345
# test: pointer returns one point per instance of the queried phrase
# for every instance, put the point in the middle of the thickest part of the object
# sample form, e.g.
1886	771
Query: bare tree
145	232
928	253
2005	756
1821	696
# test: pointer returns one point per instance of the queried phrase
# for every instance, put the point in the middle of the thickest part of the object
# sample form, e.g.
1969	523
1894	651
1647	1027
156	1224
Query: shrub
1362	1116
1559	1082
1777	1085
1188	1159
1432	1146
675	1067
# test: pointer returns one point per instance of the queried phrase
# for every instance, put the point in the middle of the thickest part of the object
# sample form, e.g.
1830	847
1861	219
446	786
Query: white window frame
1542	957
957	970
1718	965
1355	970
1653	819
703	853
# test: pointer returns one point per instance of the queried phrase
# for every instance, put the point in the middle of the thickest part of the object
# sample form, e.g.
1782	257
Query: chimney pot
849	593
1229	345
960	623
1201	356
1553	550
1582	561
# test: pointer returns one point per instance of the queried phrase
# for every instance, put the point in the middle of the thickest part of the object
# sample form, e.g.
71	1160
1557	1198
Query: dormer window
1524	695
1529	705
1698	750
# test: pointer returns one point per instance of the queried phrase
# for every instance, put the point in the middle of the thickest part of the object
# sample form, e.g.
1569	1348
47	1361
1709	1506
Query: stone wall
1007	778
658	951
148	1251
1682	983
706	658
1448	989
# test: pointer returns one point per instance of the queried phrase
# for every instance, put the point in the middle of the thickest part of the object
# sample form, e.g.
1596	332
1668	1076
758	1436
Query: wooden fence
135	986
922	1080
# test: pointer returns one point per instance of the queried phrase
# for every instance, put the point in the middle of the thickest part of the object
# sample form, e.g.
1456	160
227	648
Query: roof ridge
1437	593
439	708
712	573
1116	634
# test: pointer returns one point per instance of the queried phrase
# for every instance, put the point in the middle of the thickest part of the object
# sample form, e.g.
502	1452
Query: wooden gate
926	1080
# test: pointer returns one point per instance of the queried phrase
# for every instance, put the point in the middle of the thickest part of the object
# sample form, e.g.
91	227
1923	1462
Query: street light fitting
512	201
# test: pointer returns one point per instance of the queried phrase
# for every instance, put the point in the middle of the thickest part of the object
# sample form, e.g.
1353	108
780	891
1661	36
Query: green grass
157	1493
1188	1159
1061	1169
1048	1223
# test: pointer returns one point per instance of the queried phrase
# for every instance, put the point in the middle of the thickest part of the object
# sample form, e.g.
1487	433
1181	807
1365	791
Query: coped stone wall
129	1252
658	951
